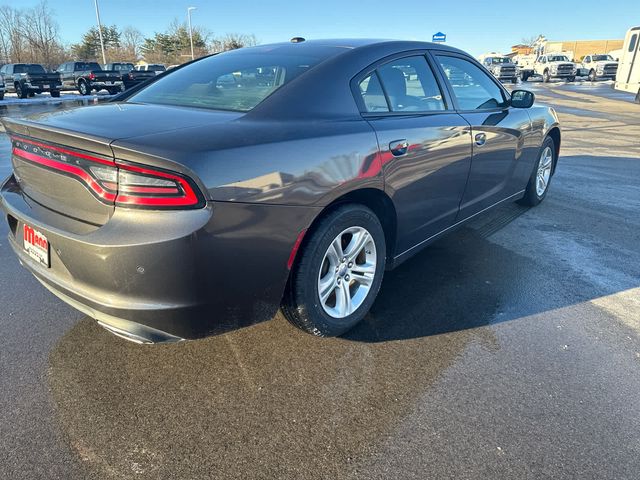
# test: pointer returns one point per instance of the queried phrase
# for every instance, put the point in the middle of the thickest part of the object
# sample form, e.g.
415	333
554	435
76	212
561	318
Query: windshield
602	58
87	66
26	68
157	68
495	60
558	58
236	81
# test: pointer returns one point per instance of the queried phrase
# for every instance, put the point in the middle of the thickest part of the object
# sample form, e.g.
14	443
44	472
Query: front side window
632	43
472	86
236	81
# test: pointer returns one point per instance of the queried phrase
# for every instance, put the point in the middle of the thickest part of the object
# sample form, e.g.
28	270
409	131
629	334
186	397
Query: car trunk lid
65	161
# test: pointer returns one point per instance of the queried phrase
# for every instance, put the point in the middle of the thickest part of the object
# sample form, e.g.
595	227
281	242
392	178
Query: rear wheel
538	184
55	93
571	79
83	88
338	273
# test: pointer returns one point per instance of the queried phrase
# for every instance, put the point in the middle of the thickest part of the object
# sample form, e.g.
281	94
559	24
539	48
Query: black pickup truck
27	79
88	76
130	76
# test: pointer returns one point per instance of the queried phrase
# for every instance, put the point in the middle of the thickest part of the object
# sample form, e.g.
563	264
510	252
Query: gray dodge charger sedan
280	176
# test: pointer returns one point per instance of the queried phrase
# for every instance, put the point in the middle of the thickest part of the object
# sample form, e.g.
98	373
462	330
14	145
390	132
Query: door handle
399	147
481	139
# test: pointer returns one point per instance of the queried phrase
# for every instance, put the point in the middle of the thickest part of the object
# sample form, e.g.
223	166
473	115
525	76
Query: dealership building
576	48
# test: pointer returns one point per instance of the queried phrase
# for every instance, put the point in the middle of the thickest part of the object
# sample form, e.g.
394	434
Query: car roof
355	43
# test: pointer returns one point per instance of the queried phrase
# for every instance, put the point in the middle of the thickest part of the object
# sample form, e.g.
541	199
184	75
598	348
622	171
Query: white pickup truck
555	65
600	67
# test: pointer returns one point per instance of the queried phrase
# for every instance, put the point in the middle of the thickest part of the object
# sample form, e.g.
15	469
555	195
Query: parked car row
27	79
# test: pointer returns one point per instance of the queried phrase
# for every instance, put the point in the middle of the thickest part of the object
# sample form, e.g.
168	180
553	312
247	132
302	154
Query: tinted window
28	68
632	43
123	67
87	66
472	86
372	94
410	85
235	81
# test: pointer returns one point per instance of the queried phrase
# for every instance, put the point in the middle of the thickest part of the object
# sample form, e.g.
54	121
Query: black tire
83	88
638	97
571	79
531	197
2	96
592	75
21	92
55	93
514	80
301	303
546	78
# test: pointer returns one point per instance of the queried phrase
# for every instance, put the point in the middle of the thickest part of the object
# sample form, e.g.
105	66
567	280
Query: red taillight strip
189	199
63	150
71	169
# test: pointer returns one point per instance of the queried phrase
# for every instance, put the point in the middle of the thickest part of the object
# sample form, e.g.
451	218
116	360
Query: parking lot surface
510	349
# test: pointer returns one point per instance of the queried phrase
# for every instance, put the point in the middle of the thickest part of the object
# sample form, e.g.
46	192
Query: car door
501	147
424	145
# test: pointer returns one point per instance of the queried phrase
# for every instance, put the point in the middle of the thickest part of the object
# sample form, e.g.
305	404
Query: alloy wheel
347	272
544	171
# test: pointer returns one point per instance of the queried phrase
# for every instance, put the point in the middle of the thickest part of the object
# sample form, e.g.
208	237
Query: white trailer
628	76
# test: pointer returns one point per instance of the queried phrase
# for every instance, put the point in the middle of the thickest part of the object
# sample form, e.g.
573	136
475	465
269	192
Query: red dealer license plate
36	245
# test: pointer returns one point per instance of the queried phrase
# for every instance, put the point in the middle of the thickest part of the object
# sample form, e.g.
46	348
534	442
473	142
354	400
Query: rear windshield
236	81
28	69
88	66
122	67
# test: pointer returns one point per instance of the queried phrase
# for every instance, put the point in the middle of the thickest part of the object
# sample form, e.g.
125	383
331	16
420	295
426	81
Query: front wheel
21	92
514	80
592	76
571	79
338	273
538	184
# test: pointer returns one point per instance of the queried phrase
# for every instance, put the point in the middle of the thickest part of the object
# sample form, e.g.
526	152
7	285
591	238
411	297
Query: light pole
104	58
190	31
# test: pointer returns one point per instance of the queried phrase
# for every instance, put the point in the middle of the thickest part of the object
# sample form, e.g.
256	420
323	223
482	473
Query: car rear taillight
92	76
122	183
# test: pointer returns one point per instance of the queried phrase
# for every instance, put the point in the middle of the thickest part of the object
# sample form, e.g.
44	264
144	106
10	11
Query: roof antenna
297	40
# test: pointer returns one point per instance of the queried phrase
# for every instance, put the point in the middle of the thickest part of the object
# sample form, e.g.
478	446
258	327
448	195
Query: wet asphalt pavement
508	350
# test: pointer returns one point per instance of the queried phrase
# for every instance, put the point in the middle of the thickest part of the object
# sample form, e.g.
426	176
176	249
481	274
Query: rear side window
472	86
236	81
403	85
411	86
632	43
373	95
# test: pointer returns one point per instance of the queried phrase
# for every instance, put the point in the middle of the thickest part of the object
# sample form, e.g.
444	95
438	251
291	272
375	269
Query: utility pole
190	31
104	58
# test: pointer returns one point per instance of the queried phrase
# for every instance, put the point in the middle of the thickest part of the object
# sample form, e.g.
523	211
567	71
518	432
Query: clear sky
476	26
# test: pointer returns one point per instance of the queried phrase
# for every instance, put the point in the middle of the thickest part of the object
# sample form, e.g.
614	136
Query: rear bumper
164	275
101	85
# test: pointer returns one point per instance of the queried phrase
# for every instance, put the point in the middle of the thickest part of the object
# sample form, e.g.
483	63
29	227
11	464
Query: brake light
92	76
123	184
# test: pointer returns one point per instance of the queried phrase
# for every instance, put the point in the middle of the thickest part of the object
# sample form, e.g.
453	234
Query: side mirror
522	99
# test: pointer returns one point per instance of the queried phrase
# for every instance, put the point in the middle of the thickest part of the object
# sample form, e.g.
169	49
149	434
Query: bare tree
232	41
130	42
40	33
